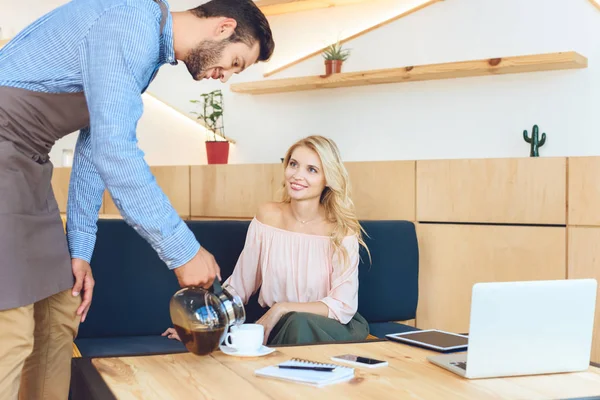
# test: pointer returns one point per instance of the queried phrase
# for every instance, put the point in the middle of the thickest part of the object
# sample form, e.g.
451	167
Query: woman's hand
271	318
171	333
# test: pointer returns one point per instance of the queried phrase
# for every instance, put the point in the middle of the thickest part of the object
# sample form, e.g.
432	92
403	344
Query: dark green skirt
304	328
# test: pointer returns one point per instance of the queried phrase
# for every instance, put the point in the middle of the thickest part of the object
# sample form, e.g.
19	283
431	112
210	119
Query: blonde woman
303	253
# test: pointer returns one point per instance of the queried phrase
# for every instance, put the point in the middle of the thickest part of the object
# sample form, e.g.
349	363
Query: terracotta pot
333	66
217	152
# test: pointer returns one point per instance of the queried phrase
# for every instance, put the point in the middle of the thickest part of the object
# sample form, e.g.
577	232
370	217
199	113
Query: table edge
84	370
164	353
87	381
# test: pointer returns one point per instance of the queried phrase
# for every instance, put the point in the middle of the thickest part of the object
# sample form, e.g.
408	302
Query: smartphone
360	361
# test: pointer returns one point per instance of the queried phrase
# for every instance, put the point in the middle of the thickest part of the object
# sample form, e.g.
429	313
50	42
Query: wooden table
219	376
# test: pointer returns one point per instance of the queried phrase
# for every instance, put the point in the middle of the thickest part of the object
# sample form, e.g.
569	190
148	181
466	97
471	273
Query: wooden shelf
596	3
463	69
277	7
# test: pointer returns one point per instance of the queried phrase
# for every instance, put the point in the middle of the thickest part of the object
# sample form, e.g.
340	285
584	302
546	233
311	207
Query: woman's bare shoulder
270	213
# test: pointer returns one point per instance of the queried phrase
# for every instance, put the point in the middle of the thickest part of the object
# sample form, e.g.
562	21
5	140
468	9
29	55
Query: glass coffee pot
201	317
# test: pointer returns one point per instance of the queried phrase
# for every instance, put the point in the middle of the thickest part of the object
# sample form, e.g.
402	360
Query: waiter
83	67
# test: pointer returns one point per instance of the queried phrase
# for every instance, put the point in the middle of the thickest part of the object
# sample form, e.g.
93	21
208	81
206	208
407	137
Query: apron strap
163	19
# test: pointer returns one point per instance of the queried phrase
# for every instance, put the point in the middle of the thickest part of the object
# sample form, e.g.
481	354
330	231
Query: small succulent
336	52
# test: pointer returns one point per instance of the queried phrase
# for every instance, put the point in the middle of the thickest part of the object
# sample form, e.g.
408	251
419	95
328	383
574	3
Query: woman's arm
275	313
246	277
314	307
342	299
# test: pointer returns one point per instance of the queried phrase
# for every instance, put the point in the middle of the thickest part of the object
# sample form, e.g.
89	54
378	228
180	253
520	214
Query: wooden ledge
354	36
462	69
277	7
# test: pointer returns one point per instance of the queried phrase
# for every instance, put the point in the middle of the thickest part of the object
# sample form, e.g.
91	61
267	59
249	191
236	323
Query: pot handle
217	289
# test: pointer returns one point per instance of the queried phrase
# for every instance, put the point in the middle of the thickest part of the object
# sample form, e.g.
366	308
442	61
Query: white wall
16	15
472	117
461	118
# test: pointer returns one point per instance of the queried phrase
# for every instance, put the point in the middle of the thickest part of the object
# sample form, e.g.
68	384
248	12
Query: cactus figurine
536	143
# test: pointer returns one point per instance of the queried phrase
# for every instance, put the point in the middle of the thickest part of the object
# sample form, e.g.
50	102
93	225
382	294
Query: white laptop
527	328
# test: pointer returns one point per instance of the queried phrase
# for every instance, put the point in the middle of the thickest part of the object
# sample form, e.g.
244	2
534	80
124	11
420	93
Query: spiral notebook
306	376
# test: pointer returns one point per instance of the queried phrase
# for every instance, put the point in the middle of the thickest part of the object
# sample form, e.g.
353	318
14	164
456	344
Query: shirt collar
167	50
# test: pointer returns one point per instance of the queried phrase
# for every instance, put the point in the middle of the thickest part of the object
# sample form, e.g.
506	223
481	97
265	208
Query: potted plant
334	56
211	113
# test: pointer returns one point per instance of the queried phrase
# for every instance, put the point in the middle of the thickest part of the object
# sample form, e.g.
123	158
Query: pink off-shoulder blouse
297	268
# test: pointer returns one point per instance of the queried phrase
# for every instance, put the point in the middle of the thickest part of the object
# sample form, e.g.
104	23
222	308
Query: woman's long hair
336	195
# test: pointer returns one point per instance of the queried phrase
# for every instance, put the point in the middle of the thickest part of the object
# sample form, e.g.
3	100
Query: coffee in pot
202	317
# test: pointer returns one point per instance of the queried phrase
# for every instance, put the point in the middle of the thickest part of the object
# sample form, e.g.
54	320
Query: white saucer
262	351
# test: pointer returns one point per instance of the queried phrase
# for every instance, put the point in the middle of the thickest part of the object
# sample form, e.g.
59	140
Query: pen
327	369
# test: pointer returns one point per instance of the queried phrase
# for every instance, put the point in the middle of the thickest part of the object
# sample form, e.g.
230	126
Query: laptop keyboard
460	364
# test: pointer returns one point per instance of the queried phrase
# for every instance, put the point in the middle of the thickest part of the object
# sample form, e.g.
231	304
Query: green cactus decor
536	143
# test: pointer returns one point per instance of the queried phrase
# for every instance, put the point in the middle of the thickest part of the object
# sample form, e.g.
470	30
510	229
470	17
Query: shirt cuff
179	248
81	245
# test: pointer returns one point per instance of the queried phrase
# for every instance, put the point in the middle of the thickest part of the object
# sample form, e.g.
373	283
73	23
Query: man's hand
199	271
83	281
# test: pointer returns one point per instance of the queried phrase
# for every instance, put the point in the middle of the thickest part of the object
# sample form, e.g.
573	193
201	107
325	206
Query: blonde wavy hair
336	195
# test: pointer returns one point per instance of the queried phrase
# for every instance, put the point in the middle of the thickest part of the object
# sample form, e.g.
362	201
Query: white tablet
433	339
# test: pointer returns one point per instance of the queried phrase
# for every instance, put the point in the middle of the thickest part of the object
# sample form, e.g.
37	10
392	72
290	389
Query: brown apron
34	256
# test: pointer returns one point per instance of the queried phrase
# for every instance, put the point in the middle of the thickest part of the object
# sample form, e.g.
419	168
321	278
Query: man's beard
205	55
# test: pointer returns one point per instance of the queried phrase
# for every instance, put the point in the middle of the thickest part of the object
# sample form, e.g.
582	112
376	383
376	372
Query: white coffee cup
245	337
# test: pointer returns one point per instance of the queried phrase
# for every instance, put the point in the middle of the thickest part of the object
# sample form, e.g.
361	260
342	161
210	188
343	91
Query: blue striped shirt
110	50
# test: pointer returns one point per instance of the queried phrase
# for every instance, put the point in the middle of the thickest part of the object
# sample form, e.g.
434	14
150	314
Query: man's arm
118	57
85	198
84	201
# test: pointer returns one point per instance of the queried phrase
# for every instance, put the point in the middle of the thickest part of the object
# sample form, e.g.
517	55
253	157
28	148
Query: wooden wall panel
584	191
233	190
584	262
60	185
175	183
455	257
511	190
110	209
383	189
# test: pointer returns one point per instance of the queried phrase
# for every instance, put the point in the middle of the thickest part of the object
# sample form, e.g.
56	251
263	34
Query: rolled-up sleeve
342	298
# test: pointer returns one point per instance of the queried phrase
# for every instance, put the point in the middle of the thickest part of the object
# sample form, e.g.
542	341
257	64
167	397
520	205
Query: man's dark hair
252	25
